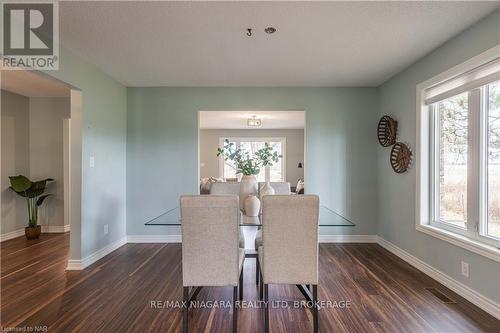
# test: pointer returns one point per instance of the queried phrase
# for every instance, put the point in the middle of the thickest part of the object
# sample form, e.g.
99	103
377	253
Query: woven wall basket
401	157
386	131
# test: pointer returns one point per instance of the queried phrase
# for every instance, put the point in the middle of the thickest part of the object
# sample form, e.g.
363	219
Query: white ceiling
316	43
32	84
238	119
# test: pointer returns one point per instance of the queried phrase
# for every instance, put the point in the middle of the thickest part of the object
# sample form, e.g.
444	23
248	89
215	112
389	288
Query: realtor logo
30	37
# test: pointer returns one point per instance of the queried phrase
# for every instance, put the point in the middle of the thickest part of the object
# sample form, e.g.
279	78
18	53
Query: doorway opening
40	139
250	131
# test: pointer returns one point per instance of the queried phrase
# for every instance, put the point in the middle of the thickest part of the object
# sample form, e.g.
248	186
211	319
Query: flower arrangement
245	163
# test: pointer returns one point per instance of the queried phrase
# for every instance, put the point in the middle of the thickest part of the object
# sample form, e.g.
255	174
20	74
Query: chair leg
241	285
235	310
266	308
257	271
315	308
261	287
185	313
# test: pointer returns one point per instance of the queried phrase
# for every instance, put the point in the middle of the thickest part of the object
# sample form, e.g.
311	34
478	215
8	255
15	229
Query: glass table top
327	218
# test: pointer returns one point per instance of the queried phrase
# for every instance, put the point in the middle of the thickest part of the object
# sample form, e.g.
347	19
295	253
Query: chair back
279	187
210	229
290	239
225	188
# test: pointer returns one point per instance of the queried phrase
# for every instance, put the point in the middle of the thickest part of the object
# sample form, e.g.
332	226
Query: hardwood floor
115	294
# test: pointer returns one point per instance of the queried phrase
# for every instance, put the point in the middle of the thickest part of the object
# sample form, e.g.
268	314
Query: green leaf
37	188
33	193
40	184
40	200
23	194
20	183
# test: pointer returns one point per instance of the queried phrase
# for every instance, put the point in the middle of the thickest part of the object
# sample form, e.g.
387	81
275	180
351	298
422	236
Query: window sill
488	251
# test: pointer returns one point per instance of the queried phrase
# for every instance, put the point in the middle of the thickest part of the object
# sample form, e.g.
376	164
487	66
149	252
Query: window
493	168
458	148
275	173
451	116
465	186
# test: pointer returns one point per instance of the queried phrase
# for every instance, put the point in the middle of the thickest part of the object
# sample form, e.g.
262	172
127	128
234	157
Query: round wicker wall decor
401	157
386	131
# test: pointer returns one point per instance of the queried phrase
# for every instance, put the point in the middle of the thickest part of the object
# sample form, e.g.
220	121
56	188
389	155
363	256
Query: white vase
238	177
266	189
252	206
248	186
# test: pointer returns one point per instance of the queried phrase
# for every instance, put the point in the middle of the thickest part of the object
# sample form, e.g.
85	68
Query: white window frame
472	238
255	139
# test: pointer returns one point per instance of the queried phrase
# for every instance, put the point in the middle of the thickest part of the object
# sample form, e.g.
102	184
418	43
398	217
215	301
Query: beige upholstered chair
225	188
210	252
289	253
279	188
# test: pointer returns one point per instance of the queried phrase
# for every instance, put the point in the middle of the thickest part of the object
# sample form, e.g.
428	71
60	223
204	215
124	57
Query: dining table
327	219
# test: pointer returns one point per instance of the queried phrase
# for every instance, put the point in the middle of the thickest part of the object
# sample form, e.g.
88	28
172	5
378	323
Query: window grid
477	221
490	125
270	173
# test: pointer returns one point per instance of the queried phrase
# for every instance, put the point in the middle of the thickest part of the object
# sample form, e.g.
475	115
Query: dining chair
289	252
211	256
228	188
225	188
279	188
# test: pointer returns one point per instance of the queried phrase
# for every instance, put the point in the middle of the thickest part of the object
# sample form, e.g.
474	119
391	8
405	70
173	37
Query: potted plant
34	194
248	165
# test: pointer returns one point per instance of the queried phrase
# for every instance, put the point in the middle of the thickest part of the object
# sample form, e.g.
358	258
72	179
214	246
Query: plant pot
252	206
33	232
248	186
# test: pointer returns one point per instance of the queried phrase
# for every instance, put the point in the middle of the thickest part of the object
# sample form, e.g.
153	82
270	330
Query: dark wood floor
115	294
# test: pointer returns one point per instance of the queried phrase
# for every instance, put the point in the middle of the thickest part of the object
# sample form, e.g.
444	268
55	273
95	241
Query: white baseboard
348	238
55	228
12	234
74	265
45	229
154	239
461	289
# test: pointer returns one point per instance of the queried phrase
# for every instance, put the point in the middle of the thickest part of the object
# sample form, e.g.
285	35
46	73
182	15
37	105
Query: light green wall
162	147
397	192
104	136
